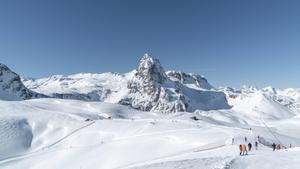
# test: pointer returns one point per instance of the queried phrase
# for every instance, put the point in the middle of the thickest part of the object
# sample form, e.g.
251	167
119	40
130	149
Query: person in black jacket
249	146
256	145
274	146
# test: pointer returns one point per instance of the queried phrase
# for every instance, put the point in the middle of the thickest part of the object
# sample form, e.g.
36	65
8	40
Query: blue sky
254	42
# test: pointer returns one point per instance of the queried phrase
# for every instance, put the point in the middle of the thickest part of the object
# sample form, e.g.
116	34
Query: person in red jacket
245	149
241	149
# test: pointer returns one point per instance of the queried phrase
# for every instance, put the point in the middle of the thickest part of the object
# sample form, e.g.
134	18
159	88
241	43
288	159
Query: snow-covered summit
12	88
151	89
150	69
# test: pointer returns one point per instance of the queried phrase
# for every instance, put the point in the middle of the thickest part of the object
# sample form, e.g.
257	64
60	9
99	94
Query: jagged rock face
147	92
152	90
12	88
150	69
190	80
148	76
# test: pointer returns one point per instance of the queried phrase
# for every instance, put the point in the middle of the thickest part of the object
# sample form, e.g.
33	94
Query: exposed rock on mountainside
12	88
190	80
151	89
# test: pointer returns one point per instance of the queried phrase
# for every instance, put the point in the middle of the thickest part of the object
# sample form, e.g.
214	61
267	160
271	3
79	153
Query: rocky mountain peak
152	89
11	86
150	69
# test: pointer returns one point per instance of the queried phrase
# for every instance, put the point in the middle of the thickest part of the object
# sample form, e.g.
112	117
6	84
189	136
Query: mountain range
147	88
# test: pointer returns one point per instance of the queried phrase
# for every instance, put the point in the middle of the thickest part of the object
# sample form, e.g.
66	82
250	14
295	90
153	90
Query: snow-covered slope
16	136
12	88
148	88
57	133
260	104
288	98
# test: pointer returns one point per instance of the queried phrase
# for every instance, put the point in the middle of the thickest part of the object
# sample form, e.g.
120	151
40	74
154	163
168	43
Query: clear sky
231	42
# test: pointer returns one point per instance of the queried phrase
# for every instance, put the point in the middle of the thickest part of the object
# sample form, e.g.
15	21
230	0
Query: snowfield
70	134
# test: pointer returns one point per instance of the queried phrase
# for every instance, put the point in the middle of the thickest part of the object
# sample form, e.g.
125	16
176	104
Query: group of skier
279	146
244	149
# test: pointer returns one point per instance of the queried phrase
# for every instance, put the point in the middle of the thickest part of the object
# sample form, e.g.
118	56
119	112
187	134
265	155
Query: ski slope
69	134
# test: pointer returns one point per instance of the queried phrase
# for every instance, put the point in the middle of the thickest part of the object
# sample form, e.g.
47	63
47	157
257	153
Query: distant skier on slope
256	145
241	149
245	139
249	146
274	146
251	132
244	147
232	141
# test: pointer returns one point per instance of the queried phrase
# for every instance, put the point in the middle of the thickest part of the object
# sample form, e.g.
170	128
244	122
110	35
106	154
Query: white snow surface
71	134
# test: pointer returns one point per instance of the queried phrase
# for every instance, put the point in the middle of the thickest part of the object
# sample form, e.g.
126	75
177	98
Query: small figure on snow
249	146
256	145
245	149
274	146
241	149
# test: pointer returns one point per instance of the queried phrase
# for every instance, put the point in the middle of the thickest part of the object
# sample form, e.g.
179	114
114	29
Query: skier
245	139
249	146
241	149
274	146
245	149
232	141
256	145
279	147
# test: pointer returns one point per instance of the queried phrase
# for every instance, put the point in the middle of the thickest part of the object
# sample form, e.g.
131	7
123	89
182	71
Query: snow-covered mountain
12	88
262	102
151	89
106	87
148	88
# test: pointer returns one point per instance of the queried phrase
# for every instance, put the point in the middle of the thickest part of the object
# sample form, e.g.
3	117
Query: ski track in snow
20	156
